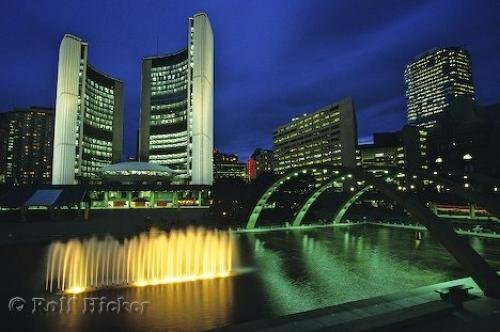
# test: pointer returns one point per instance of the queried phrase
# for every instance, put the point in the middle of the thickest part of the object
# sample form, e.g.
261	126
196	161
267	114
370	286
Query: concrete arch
484	276
343	209
316	194
478	198
262	202
459	248
310	201
340	212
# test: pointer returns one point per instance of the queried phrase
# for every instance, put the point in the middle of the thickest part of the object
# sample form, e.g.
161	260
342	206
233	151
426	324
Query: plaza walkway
420	309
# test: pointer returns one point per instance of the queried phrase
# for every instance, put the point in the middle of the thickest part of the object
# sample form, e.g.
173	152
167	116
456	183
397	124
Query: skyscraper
176	127
433	79
326	136
26	137
89	117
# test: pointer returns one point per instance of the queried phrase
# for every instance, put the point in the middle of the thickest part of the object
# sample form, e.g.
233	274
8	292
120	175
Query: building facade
26	137
412	154
176	128
382	153
228	166
88	130
465	140
261	161
326	136
432	80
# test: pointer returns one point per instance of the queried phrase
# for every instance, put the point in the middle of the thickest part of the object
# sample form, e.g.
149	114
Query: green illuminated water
292	271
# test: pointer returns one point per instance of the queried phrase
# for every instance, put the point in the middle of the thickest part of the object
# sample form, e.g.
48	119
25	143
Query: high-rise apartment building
327	136
176	128
26	137
88	130
432	80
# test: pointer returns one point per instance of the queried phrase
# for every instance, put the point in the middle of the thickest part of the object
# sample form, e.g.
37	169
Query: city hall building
176	122
175	148
88	120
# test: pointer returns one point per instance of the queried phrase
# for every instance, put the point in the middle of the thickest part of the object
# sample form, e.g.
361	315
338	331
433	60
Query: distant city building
227	166
251	173
325	136
176	128
260	161
88	130
411	157
465	139
412	154
432	80
382	153
26	137
405	150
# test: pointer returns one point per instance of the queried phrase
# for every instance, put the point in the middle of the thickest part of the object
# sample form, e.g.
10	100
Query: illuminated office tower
176	127
89	115
432	80
327	136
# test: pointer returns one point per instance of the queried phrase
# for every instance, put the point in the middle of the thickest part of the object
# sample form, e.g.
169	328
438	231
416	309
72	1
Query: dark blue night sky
273	59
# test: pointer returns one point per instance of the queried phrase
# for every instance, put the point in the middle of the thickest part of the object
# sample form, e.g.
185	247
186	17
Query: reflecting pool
285	272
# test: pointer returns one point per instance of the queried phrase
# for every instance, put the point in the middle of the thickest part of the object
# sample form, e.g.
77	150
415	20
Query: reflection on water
370	272
189	306
286	295
304	270
293	271
316	269
150	258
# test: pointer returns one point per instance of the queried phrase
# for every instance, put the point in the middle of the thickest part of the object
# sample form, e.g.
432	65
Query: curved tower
176	126
88	119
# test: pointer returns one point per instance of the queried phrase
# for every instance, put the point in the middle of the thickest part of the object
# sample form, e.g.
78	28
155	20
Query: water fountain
150	258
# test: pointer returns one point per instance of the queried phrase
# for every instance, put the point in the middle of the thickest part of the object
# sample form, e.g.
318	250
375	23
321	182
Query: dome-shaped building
136	172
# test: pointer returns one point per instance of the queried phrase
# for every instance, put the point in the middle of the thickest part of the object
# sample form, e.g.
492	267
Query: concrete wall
63	166
201	54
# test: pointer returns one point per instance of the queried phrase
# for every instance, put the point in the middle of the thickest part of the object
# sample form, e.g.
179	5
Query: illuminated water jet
151	258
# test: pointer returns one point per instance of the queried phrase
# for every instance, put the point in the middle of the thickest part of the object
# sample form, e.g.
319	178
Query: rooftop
136	166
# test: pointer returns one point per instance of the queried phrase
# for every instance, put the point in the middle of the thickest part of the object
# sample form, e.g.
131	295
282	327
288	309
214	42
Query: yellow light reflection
151	258
75	290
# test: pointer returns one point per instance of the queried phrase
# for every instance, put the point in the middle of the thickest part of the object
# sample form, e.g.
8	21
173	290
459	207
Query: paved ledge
416	227
265	229
420	309
422	228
